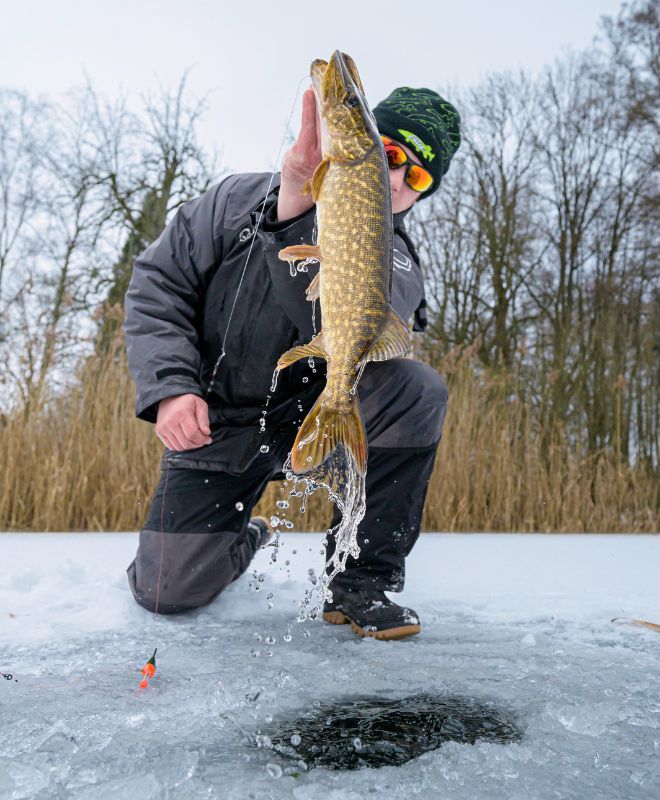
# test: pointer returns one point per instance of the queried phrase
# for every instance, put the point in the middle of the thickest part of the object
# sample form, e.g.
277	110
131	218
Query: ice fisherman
199	535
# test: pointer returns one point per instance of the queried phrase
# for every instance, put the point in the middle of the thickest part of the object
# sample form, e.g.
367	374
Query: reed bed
81	462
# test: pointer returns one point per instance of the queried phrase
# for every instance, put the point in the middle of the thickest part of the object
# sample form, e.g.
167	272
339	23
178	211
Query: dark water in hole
375	732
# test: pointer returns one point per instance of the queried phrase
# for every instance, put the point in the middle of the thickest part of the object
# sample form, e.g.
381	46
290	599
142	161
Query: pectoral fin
315	348
394	341
313	184
313	291
317	178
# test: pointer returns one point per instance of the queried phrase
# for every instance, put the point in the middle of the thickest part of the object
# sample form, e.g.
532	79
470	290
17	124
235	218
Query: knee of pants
184	571
404	403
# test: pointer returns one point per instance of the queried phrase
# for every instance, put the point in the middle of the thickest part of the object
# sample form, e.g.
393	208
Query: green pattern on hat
426	123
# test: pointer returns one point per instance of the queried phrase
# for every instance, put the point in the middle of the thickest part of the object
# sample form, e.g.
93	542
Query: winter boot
371	613
260	531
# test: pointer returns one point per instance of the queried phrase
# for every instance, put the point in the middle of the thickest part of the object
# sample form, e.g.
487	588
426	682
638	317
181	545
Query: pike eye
352	101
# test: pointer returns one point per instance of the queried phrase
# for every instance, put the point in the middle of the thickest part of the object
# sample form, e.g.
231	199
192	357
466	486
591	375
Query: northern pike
351	188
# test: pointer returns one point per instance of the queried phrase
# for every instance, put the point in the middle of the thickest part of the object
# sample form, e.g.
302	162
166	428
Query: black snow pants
195	536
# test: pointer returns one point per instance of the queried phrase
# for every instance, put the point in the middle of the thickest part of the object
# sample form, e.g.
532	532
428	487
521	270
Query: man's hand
300	161
183	422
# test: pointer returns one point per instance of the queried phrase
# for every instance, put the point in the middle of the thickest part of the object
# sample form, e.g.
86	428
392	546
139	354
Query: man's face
403	197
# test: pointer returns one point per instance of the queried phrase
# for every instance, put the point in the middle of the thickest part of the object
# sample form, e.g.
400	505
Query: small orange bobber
148	670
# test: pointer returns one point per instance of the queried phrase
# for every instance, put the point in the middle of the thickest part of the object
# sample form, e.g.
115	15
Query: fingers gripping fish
351	189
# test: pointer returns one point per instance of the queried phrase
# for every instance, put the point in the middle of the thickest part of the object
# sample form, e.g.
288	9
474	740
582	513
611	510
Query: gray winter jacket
185	289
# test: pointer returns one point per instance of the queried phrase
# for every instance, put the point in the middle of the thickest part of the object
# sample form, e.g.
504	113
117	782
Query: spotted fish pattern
355	233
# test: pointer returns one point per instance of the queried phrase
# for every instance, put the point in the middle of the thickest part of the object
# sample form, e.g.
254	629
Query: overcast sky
251	56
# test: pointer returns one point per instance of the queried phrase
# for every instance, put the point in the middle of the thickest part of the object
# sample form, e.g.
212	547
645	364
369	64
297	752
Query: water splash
347	490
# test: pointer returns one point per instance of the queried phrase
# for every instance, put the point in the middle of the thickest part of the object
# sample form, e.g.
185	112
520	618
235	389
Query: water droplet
264	448
307	634
257	636
288	524
270	640
305	379
239	506
295	740
287	637
262	577
357	743
269	596
366	541
282	504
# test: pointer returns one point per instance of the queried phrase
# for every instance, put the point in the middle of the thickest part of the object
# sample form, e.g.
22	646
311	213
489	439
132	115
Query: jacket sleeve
164	302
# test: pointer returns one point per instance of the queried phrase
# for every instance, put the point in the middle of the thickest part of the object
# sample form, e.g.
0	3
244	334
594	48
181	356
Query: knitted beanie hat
426	123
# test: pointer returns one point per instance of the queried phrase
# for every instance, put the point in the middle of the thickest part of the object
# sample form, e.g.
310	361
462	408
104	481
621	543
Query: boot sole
339	618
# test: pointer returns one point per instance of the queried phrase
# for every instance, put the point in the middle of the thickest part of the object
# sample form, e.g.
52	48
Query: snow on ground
521	623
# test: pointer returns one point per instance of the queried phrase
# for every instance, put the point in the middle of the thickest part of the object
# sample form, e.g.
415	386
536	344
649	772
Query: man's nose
396	179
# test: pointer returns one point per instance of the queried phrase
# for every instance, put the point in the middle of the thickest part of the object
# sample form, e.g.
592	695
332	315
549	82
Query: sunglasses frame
407	164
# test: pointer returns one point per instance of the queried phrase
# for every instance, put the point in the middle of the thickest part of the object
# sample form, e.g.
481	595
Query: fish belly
355	238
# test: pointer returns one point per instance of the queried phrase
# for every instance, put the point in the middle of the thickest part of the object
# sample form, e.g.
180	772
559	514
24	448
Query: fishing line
162	535
254	236
150	667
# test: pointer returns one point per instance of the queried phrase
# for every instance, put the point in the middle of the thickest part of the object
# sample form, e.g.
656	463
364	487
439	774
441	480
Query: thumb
202	416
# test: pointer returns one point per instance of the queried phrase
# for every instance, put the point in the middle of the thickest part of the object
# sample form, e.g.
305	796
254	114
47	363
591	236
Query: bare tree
20	157
149	163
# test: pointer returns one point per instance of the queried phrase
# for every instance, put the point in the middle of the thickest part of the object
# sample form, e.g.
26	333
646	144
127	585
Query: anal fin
315	348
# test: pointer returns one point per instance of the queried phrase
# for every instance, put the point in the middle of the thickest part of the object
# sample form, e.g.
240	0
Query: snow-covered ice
517	623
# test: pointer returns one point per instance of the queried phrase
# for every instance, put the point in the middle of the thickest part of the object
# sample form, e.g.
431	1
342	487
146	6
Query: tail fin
322	430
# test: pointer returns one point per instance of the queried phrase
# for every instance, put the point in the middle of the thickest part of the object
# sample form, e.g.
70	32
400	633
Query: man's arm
299	163
164	298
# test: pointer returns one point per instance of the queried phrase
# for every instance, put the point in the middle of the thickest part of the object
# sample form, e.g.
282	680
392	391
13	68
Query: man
210	309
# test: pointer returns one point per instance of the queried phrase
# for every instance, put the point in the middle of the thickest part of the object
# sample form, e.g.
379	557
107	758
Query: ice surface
520	624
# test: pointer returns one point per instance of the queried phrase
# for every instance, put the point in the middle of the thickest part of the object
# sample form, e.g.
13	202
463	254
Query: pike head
348	128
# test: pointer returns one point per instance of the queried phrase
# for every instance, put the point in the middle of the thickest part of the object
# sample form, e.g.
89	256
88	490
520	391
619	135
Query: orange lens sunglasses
419	179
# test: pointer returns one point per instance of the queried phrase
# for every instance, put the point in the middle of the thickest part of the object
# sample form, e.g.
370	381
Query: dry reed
83	462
